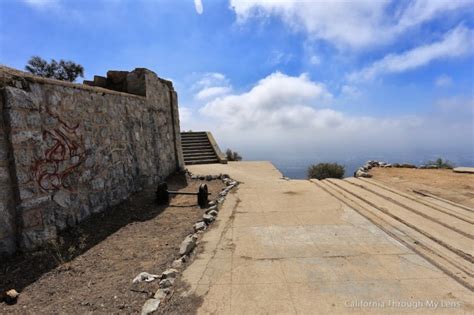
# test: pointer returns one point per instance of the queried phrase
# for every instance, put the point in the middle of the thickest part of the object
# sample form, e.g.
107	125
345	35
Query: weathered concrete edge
10	74
217	150
461	169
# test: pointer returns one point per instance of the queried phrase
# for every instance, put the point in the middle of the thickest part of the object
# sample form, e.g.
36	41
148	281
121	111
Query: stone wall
71	150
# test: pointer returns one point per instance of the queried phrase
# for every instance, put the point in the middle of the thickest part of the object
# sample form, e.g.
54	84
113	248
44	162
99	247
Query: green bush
232	155
326	170
440	163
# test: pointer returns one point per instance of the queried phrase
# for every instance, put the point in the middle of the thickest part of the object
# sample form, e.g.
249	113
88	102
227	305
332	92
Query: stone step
192	133
443	205
189	136
203	139
197	150
194	137
196	146
209	161
454	240
200	157
198	141
452	264
462	224
199	153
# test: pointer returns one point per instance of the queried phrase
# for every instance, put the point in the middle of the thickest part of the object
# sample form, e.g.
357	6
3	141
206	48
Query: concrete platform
291	247
464	170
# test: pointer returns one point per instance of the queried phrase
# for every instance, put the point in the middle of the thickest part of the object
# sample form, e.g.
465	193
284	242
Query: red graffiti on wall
61	159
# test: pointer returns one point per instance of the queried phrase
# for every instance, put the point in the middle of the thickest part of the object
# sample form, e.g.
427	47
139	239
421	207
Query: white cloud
457	105
277	100
211	79
185	115
420	11
355	24
455	43
443	81
198	6
315	60
214	91
350	91
42	4
211	84
284	117
277	57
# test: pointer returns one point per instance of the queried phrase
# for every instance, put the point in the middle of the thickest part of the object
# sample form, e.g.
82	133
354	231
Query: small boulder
169	273
161	294
10	297
177	263
187	245
145	276
208	218
166	283
211	203
200	226
150	306
214	213
360	173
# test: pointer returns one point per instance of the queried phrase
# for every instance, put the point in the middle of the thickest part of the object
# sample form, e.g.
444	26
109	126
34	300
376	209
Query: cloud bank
284	116
376	22
455	43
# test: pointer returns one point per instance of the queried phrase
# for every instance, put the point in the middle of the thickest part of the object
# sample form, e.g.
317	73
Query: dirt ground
91	268
457	187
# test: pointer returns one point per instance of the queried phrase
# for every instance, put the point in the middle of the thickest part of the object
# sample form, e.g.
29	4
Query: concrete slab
469	170
289	247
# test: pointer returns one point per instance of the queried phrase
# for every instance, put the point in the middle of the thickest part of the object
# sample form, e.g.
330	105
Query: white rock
169	273
360	173
214	207
177	263
161	294
150	306
187	245
166	283
208	218
145	276
214	213
200	226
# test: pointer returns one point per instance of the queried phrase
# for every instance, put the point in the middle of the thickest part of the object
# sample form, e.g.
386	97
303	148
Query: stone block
136	81
32	239
100	81
17	98
33	218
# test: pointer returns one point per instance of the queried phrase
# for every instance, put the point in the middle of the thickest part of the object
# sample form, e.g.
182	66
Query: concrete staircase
439	230
200	148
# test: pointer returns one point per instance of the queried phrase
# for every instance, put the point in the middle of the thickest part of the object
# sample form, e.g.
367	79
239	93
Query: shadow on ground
23	269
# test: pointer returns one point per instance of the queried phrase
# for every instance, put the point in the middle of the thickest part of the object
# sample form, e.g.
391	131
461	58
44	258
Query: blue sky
280	79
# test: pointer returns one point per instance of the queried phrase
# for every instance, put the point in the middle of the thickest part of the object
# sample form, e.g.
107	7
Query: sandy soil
457	187
92	267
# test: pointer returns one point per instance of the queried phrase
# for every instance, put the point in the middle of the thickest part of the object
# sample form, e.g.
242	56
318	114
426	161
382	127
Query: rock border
188	245
363	171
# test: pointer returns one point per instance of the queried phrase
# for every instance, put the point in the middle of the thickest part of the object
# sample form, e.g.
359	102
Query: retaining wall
70	150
